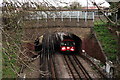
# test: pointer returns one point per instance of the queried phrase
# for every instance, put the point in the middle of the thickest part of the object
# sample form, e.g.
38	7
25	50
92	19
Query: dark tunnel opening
51	43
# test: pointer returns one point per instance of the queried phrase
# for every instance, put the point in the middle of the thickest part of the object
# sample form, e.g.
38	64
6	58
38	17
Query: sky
57	2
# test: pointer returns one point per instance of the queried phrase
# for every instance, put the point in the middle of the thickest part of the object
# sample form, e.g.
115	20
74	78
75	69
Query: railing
60	15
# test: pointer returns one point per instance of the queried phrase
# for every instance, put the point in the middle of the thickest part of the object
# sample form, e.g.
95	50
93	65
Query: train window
68	43
63	43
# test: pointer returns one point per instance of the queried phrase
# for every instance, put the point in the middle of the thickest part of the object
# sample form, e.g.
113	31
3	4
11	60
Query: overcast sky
57	2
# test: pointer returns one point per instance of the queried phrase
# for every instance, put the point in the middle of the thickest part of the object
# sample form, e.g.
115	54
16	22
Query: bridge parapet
61	18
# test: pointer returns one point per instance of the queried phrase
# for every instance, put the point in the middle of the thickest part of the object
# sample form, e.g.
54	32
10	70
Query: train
67	45
70	44
59	42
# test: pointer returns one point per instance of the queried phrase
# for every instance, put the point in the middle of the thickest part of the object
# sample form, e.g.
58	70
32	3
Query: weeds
108	41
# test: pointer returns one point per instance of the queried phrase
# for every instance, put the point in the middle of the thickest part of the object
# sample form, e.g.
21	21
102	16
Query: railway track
85	73
47	59
76	68
53	68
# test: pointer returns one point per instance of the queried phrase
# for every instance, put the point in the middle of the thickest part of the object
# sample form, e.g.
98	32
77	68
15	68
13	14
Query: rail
46	15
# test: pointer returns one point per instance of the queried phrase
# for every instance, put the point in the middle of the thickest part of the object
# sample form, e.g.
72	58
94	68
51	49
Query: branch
94	3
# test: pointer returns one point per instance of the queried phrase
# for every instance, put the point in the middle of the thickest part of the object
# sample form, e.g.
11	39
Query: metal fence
60	15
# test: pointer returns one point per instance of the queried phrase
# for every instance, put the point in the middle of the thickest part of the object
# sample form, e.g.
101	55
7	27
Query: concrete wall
30	34
59	23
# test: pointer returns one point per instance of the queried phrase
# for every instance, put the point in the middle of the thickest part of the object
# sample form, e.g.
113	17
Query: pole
87	10
93	16
78	16
70	15
62	16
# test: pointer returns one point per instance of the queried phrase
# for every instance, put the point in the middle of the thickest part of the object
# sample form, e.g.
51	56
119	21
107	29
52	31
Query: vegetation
108	41
115	8
11	44
7	70
75	5
11	35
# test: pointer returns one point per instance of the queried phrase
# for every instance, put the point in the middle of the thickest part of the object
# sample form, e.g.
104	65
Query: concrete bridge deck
59	23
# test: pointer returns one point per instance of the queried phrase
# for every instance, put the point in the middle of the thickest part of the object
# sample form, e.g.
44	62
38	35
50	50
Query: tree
115	8
75	5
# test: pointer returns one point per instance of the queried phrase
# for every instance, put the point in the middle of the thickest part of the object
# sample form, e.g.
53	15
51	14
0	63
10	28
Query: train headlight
72	49
63	48
68	48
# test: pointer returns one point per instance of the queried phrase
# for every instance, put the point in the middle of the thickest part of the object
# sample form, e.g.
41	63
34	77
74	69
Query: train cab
67	45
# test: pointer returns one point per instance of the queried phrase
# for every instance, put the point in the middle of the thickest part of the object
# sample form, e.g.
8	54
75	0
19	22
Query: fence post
78	16
116	16
46	17
54	17
70	15
85	16
62	16
93	16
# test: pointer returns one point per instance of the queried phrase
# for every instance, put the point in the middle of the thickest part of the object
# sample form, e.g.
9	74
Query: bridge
63	18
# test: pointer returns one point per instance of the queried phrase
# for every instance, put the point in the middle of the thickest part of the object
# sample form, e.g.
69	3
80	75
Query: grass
0	64
11	49
7	68
12	27
108	41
